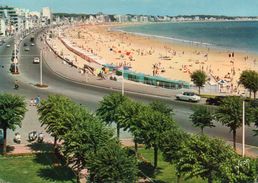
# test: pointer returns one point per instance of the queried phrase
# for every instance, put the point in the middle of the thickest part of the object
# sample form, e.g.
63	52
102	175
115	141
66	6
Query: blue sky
150	7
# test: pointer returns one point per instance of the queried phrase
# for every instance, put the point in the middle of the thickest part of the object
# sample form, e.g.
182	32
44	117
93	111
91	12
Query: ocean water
234	36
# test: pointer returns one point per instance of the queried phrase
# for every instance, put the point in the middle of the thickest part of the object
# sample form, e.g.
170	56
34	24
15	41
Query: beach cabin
153	80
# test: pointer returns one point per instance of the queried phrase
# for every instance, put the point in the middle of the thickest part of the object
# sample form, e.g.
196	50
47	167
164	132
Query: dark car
215	101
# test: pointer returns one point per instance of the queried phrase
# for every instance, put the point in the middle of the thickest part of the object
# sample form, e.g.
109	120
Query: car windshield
189	93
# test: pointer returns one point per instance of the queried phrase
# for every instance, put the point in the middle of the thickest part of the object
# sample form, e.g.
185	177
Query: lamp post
41	60
123	83
15	60
243	130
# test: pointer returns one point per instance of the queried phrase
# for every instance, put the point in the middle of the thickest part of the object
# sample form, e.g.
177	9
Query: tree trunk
118	130
155	156
77	178
135	147
55	142
178	178
250	93
202	130
199	90
234	139
210	179
5	144
254	95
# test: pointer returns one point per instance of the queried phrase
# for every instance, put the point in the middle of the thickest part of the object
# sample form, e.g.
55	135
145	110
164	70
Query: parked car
36	60
215	100
188	96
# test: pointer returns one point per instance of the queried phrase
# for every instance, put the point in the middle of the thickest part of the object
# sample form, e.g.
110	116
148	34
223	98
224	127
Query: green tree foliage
230	114
199	78
87	135
172	143
202	157
56	114
12	111
162	107
113	164
154	124
202	117
108	108
238	170
127	118
249	79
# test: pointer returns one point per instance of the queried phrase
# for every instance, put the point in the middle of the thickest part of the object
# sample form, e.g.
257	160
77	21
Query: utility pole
243	130
41	60
123	84
15	58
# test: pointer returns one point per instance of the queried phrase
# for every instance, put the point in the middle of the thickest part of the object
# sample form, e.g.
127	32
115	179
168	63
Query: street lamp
243	130
15	59
123	83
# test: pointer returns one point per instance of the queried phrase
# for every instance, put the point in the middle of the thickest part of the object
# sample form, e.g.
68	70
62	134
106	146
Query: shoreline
181	41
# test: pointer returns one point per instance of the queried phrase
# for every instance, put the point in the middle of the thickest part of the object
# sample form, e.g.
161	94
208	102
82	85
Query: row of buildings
15	20
100	17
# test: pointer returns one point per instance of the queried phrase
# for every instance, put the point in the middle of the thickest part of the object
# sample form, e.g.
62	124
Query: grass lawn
166	172
40	168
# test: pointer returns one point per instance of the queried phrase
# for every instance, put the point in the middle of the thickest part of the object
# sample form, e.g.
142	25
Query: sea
230	35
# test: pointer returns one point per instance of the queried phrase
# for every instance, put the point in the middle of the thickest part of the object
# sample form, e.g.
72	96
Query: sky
147	7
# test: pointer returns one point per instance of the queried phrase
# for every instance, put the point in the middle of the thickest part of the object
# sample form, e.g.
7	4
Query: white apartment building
121	18
46	16
2	27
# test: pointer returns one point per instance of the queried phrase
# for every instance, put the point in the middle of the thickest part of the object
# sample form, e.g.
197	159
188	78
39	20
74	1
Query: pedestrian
37	100
31	102
87	75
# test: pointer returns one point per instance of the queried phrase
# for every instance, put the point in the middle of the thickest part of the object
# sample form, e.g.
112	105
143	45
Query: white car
8	45
36	60
188	96
32	44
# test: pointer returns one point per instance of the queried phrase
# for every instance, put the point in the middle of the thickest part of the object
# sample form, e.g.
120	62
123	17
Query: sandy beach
158	57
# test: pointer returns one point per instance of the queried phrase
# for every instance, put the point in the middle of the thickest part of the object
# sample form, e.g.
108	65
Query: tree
154	125
12	111
112	163
162	107
56	114
108	107
230	114
201	156
87	135
127	118
171	145
199	78
249	79
238	169
202	117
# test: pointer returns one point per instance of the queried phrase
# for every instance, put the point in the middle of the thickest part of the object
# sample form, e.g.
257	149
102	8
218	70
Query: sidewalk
21	149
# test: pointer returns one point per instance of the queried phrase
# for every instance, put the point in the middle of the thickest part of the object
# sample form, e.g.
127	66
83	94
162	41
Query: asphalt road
86	95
